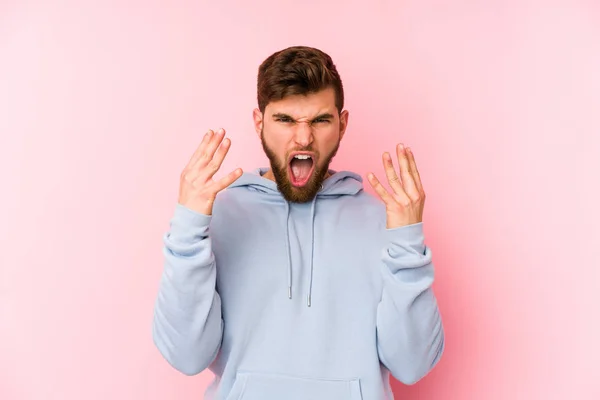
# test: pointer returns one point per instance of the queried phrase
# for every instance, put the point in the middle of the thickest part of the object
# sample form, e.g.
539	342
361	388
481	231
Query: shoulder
226	200
362	206
368	201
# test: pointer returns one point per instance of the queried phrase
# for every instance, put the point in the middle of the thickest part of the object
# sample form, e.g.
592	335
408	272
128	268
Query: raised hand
404	206
197	189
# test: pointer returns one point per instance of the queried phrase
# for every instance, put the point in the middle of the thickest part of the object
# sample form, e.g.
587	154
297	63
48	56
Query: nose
304	133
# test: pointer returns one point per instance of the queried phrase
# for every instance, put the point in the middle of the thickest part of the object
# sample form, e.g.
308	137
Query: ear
343	122
258	121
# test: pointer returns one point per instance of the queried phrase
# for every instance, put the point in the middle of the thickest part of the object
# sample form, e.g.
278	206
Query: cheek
277	142
329	140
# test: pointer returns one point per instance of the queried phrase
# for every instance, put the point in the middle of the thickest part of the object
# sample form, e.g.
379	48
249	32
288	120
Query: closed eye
286	119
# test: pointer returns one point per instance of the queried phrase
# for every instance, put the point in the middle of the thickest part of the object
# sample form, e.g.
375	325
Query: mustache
309	148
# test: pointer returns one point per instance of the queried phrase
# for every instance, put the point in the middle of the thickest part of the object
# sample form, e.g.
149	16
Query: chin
299	192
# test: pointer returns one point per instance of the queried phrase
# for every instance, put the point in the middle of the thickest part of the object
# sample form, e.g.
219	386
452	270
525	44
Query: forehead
299	106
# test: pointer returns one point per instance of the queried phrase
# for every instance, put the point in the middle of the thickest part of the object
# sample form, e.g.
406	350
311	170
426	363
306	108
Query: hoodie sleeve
187	326
410	335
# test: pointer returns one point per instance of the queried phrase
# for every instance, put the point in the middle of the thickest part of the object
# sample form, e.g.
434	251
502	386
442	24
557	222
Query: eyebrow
320	116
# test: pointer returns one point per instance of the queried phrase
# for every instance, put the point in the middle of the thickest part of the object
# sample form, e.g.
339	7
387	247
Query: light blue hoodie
297	301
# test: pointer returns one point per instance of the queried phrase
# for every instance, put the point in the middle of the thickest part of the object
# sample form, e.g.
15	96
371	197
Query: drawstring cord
312	249
287	234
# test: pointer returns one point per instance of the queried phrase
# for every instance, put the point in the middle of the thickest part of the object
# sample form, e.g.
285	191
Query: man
292	282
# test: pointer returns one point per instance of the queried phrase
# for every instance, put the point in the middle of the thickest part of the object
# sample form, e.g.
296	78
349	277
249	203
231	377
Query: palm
404	206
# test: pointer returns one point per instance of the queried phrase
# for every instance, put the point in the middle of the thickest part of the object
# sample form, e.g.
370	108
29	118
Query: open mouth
301	167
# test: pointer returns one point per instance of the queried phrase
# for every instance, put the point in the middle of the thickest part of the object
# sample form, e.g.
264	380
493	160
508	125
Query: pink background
102	103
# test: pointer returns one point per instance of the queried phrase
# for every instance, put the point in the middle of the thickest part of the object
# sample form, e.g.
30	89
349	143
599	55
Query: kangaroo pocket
259	386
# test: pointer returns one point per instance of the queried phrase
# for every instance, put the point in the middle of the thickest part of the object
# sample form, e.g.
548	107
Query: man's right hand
197	189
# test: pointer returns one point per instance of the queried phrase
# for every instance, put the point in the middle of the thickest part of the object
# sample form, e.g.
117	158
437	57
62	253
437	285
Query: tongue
301	168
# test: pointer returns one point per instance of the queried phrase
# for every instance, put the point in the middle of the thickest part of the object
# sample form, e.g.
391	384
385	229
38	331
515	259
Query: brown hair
297	70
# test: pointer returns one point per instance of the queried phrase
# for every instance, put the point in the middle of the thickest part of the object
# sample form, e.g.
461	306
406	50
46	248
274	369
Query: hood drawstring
340	183
312	248
287	236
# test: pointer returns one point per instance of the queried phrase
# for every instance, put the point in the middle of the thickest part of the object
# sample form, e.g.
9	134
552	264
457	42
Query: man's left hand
404	206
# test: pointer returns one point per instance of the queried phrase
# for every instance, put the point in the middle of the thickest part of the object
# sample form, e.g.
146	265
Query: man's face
300	135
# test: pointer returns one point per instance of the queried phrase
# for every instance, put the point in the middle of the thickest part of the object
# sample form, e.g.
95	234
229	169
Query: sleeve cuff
409	238
188	226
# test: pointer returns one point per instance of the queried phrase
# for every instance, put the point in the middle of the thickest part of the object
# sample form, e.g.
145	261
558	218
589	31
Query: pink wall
102	103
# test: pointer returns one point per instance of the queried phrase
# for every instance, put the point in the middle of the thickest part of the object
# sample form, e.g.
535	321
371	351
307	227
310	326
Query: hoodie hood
342	183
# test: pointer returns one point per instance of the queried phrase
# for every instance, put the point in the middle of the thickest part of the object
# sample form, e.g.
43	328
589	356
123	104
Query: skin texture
309	123
404	205
197	188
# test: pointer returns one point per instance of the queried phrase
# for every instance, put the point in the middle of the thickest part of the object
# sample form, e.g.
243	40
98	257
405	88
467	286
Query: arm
187	326
410	335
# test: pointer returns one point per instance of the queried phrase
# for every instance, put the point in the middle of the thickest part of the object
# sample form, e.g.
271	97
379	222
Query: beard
290	192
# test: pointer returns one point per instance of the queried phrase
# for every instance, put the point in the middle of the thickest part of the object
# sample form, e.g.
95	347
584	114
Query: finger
214	143
408	182
208	151
213	165
222	152
380	190
198	153
227	180
398	192
390	173
414	170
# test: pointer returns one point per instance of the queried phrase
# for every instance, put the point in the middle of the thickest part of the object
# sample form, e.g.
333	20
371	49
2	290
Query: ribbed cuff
406	238
188	226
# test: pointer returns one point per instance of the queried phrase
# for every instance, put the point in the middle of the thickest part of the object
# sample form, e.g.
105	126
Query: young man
294	283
